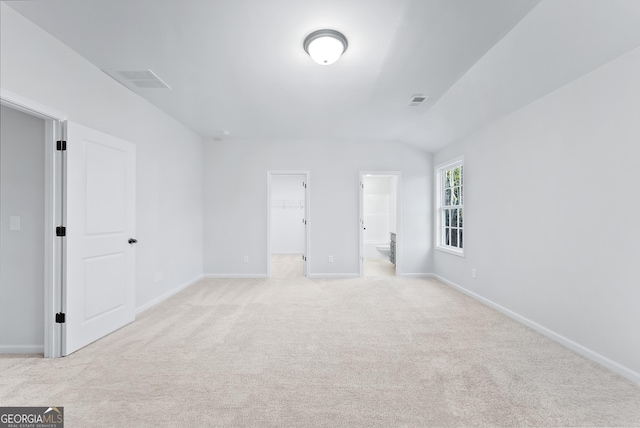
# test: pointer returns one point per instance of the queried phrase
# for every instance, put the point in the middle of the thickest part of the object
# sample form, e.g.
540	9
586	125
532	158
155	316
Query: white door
99	291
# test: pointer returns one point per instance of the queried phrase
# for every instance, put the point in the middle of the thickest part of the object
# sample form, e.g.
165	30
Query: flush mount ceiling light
325	46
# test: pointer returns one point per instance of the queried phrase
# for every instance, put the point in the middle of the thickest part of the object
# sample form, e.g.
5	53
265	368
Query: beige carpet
381	352
286	266
378	267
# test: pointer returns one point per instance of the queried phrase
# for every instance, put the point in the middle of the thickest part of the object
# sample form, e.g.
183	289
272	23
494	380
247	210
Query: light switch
14	222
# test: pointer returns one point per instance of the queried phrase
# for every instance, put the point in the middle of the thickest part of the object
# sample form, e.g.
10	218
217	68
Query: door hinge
304	184
61	145
60	318
61	231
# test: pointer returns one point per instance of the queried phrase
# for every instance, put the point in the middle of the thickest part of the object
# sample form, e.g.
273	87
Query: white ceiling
239	65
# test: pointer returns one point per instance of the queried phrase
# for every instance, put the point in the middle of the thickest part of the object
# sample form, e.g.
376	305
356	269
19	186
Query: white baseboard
235	275
333	275
576	347
21	349
168	294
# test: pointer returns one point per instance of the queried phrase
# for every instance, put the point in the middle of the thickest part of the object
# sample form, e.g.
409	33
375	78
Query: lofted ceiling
238	66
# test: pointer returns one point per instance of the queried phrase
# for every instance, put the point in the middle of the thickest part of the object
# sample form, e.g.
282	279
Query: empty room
336	214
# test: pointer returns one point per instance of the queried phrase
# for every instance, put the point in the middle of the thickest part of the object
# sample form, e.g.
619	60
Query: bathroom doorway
379	223
288	214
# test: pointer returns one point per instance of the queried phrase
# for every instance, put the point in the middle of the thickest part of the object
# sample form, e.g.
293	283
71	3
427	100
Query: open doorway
379	223
30	282
287	225
22	238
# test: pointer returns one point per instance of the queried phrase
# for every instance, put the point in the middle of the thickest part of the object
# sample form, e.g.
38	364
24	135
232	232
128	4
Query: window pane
456	196
446	236
460	239
461	195
447	197
447	217
460	217
456	176
447	179
454	218
454	237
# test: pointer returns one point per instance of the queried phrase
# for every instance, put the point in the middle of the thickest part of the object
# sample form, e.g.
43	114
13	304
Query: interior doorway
287	224
32	207
379	223
22	189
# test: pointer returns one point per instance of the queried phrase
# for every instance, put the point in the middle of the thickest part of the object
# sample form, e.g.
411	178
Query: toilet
384	249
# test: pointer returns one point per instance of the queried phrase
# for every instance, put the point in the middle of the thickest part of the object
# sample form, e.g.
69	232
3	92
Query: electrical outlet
246	259
159	276
473	273
330	258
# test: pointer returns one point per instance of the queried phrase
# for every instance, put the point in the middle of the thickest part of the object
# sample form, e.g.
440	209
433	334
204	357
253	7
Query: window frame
440	207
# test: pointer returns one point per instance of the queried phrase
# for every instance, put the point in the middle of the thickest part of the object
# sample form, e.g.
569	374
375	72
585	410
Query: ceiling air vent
138	78
417	100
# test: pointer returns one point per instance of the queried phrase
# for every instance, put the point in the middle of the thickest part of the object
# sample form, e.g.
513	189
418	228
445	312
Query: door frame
55	128
398	175
307	212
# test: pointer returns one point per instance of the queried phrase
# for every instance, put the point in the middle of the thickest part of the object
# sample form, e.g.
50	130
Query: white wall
235	201
287	214
169	156
551	213
21	251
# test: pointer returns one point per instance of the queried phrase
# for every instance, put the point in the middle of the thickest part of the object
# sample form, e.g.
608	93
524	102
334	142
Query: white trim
307	215
21	349
235	275
168	294
334	275
576	347
459	253
52	261
398	175
29	106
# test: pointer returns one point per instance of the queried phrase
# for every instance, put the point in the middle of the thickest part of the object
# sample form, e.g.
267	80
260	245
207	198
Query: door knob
132	241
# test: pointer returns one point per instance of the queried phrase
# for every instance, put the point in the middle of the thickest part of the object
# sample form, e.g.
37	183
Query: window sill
459	253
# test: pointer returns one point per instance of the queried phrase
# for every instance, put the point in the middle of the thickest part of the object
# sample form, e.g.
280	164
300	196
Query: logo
31	417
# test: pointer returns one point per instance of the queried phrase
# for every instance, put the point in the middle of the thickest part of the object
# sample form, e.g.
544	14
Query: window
450	206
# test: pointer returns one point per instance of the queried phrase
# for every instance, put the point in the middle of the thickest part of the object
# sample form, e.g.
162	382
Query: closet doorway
22	235
31	208
287	224
380	223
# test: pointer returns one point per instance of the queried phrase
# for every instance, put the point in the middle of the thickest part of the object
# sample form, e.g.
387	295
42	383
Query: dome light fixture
325	46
